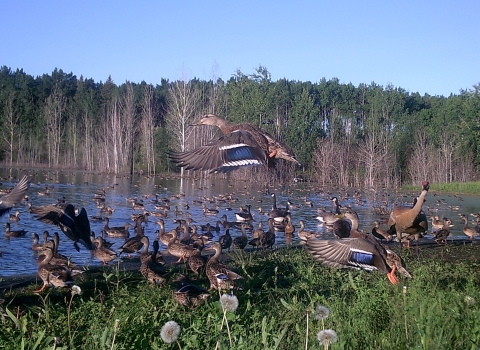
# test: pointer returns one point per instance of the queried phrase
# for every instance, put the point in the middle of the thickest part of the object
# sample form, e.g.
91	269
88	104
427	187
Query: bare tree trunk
10	125
54	118
148	124
182	103
127	118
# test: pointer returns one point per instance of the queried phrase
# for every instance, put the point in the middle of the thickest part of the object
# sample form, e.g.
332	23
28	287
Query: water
78	188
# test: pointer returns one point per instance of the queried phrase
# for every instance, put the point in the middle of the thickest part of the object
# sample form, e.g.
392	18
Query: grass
437	309
472	188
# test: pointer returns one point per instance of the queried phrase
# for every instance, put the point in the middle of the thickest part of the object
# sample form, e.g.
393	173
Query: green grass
453	187
438	311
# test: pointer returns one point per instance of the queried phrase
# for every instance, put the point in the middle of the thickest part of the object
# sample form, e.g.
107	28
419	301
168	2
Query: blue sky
421	46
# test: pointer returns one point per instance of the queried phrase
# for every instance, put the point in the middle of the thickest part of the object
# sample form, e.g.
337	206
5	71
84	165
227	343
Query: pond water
79	188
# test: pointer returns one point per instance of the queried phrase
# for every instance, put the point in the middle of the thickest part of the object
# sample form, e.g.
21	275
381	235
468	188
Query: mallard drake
13	233
152	270
357	253
188	294
441	235
9	200
411	221
103	253
52	275
219	275
240	145
241	241
75	227
468	231
117	231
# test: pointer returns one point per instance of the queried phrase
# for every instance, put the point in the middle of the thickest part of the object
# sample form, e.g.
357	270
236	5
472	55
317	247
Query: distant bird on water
240	145
8	200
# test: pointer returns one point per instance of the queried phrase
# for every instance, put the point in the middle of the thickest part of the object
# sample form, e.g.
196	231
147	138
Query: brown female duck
52	275
240	145
219	275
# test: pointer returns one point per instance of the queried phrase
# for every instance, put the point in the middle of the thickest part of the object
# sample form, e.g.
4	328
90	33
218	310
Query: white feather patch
237	145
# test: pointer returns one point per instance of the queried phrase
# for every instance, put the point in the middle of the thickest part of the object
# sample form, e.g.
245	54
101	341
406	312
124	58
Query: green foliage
436	310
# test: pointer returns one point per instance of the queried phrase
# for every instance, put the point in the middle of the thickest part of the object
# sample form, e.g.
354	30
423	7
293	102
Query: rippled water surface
78	188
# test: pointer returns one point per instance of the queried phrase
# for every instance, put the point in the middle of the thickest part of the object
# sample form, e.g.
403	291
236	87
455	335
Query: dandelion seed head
229	302
327	337
76	290
321	312
170	332
469	300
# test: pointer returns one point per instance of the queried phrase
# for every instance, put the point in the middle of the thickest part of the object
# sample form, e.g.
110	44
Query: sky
426	46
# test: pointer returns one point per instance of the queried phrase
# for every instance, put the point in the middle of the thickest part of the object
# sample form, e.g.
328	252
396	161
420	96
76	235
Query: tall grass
117	310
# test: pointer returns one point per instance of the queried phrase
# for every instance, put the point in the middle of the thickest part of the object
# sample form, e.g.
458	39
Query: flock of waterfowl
240	145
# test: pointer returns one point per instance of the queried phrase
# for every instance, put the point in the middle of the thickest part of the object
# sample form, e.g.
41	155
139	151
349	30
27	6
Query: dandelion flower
327	337
76	290
321	312
170	332
229	302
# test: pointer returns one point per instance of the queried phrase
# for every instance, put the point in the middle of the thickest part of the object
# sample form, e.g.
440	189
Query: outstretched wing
10	199
228	152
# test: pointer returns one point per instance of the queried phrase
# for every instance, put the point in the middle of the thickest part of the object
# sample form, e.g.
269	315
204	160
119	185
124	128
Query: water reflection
79	188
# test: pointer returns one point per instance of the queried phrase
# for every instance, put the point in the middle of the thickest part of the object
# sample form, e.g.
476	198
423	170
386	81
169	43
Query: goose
468	231
9	200
240	145
277	214
75	227
410	221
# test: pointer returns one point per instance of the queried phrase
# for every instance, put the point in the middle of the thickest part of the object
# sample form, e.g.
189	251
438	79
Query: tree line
365	135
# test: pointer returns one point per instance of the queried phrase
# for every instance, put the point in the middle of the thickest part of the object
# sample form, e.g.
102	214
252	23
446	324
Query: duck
9	200
196	261
226	240
268	238
240	145
13	233
328	218
75	227
163	236
152	270
409	222
146	254
103	253
219	275
241	242
356	253
134	244
52	275
179	250
437	223
468	231
117	231
36	245
380	233
441	235
188	294
305	235
289	228
14	217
